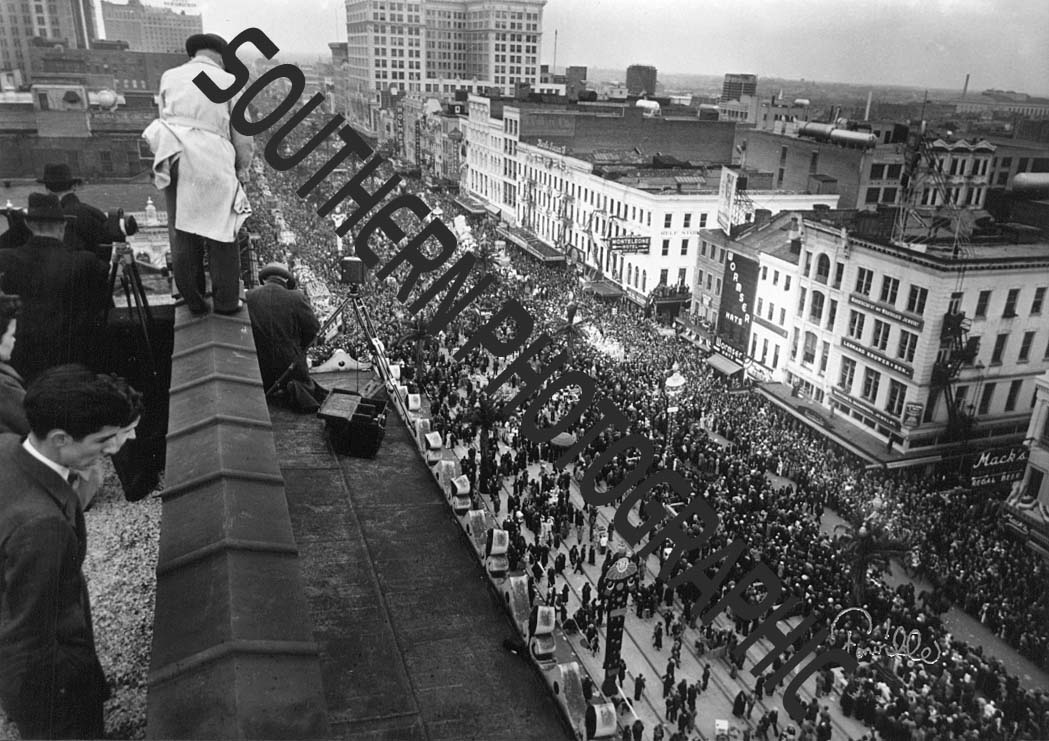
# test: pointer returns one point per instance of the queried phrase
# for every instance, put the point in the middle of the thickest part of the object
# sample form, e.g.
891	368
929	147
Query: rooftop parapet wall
233	648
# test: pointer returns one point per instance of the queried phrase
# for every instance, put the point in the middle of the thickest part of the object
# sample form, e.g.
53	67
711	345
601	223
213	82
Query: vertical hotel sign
727	198
739	286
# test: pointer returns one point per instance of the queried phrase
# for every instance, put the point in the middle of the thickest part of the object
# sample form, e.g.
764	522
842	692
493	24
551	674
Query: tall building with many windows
641	79
72	21
736	86
907	353
146	28
438	46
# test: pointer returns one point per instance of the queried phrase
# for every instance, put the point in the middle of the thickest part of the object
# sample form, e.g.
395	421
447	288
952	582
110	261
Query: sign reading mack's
999	465
1001	457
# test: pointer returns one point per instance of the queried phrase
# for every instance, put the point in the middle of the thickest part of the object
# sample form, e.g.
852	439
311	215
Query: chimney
762	216
965	88
794	234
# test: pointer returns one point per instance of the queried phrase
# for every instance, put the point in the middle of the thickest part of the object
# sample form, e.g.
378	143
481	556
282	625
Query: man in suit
200	162
87	227
283	324
64	294
51	682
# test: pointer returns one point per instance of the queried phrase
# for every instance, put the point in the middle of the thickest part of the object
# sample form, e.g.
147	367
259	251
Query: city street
642	658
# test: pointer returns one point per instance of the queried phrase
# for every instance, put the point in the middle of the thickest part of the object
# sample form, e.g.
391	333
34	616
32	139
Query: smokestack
965	88
867	113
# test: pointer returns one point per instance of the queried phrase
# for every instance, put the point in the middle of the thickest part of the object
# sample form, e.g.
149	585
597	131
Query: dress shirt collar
56	467
206	60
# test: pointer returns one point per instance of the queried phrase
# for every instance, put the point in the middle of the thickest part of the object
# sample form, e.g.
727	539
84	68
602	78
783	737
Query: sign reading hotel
630	244
739	285
727	198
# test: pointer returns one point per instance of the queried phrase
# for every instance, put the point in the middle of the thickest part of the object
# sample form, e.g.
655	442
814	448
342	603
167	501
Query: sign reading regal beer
999	465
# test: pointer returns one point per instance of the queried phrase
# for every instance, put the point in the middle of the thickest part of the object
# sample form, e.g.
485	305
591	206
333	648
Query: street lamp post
673	386
619	581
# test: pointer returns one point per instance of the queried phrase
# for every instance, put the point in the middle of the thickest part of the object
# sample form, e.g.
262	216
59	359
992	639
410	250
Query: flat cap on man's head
275	270
200	41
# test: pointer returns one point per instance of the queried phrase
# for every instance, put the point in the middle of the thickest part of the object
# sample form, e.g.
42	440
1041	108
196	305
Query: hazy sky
934	43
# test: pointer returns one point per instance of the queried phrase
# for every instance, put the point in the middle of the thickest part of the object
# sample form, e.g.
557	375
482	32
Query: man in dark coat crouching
284	324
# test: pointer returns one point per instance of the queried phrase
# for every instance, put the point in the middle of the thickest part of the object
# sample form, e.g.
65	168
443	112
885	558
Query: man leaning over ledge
199	163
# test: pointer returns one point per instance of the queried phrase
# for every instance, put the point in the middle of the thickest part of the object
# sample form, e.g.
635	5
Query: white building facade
919	347
431	45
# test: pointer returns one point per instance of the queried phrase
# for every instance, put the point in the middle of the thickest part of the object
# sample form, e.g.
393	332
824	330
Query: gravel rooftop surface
122	541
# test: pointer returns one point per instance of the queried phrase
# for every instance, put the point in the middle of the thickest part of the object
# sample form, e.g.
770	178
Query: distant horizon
891	43
322	56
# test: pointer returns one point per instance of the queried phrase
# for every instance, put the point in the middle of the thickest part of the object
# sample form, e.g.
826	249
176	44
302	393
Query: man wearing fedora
284	325
199	163
86	230
64	293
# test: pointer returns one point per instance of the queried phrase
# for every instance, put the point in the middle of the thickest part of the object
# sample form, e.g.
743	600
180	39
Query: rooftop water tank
648	107
855	138
1031	181
816	130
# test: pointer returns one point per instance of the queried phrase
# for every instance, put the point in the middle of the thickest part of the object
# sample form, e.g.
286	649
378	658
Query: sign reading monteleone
424	249
630	244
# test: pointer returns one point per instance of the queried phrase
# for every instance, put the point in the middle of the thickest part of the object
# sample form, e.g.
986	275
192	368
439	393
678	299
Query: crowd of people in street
727	443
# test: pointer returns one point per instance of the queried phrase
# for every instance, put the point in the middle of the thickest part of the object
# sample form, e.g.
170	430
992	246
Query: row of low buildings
912	337
908	351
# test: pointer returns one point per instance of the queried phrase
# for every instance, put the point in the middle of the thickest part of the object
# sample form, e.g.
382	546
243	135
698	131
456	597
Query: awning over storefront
470	205
493	210
604	289
694	333
723	365
531	244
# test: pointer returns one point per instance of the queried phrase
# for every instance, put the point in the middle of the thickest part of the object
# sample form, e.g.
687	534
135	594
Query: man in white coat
199	163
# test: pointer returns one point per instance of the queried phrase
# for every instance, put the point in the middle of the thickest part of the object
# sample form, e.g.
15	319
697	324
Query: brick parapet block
233	647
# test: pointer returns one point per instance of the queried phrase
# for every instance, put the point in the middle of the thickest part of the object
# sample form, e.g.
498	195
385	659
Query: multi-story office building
108	65
929	348
866	165
736	86
641	79
149	28
438	45
1013	157
495	129
1004	104
70	21
578	184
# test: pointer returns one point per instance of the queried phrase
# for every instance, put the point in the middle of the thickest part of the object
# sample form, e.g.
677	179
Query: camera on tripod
351	273
118	228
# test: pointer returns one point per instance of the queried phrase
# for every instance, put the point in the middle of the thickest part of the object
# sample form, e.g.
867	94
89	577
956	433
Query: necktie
72	478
